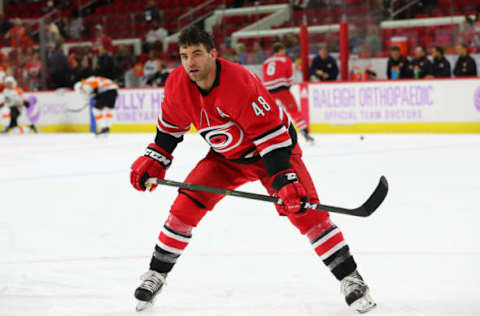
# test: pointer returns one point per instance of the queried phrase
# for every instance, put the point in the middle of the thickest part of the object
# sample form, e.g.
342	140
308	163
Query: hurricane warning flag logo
476	99
33	111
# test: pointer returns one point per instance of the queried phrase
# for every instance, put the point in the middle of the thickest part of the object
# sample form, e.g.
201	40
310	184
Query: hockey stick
366	209
79	109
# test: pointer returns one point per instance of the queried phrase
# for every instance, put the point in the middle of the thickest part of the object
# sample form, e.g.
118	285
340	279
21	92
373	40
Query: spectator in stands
19	39
421	66
466	31
63	26
398	66
259	55
5	25
53	36
75	26
101	39
465	65
151	13
324	67
372	41
49	6
240	51
156	35
291	44
105	66
152	67
124	61
81	66
57	63
355	39
441	66
31	72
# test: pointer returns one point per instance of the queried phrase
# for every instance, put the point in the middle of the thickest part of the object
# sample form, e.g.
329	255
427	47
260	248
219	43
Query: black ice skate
152	285
33	128
307	136
357	293
103	132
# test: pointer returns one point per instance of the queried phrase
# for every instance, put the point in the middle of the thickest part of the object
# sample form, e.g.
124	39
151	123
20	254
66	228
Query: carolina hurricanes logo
223	138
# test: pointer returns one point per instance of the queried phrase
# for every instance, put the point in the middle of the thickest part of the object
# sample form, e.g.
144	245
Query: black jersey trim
279	89
276	128
194	200
167	141
279	159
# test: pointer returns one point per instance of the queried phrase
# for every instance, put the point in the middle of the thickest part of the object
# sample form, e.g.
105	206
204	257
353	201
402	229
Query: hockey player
13	103
277	78
104	92
251	138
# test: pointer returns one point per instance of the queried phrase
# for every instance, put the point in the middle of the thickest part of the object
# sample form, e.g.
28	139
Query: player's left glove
290	191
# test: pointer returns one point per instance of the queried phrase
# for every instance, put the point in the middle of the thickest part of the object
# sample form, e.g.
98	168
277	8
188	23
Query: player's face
197	62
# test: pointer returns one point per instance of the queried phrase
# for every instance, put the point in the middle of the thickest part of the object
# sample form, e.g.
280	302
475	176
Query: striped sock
173	239
328	242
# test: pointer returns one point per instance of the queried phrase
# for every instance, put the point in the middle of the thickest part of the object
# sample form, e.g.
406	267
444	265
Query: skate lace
152	281
351	283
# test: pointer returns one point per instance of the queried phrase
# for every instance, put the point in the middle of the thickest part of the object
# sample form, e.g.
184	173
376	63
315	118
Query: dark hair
193	35
395	49
439	49
277	47
424	50
464	45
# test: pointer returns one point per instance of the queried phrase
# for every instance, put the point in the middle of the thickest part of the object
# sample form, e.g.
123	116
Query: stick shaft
366	209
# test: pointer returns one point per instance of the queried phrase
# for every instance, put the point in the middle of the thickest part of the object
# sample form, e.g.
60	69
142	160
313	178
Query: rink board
409	106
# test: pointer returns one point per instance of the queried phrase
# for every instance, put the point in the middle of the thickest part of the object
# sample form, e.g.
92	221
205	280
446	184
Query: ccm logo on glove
152	153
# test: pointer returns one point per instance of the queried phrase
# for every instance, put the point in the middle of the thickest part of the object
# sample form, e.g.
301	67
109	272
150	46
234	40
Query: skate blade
363	304
142	305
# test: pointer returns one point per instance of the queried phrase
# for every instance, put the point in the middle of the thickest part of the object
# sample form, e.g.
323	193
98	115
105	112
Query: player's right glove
153	164
290	191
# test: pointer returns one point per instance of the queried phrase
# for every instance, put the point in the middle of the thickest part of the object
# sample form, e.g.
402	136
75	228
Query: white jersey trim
270	136
276	146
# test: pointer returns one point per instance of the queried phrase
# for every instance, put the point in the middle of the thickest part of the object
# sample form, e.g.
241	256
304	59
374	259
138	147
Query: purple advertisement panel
372	102
138	106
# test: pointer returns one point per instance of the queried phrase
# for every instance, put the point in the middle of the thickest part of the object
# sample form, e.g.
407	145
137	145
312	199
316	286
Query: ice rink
75	236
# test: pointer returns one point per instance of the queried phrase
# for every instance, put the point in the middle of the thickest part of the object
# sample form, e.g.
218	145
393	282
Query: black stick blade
374	201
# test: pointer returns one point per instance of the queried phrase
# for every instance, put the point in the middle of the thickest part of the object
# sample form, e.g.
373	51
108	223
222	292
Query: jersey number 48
259	110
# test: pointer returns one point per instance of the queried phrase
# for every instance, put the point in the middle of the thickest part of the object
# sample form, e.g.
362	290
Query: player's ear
214	52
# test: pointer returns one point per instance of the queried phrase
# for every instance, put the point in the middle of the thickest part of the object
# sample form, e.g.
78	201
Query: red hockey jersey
277	72
238	118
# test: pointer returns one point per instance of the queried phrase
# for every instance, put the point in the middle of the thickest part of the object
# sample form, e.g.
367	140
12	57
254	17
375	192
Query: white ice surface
75	237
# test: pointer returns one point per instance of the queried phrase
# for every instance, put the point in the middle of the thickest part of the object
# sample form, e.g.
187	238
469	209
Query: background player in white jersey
277	78
13	103
104	92
250	139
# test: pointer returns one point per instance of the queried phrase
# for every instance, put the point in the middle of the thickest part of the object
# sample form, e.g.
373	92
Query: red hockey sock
328	242
173	239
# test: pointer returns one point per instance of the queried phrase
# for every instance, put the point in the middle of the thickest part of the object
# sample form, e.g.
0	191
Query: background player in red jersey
251	139
277	78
